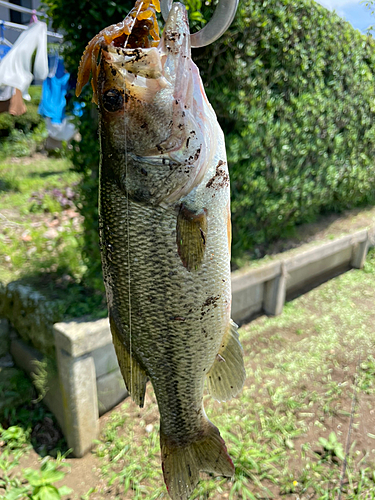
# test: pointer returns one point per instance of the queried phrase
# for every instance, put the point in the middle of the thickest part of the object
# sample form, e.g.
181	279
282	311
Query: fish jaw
152	104
150	80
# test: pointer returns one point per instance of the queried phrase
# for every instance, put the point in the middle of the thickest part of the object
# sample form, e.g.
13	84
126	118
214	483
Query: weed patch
41	232
303	427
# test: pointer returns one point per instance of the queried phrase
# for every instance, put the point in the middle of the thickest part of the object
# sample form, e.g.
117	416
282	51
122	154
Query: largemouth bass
165	236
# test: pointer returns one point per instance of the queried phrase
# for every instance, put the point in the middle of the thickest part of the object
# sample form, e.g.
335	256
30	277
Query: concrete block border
266	287
88	381
86	359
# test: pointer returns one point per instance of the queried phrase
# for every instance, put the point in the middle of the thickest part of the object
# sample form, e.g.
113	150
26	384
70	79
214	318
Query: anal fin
134	376
181	464
227	375
191	231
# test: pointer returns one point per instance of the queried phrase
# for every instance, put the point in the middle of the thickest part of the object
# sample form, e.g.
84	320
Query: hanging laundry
53	62
53	102
15	67
4	49
64	131
78	108
4	106
5	45
6	92
17	105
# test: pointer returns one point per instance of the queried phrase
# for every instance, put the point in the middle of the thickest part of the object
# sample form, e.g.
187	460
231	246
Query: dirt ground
353	417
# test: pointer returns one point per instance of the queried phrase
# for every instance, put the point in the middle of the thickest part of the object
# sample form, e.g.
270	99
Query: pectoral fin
134	376
191	237
227	375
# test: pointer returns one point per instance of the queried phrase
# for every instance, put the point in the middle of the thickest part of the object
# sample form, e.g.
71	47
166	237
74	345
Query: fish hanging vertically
165	234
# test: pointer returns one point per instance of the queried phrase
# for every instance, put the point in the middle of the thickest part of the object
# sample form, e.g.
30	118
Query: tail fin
181	464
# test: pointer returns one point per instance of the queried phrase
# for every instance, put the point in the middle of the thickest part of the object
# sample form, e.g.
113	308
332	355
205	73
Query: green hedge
293	87
26	122
25	134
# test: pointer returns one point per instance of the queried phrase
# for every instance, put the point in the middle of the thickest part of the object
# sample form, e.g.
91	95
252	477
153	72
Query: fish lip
177	21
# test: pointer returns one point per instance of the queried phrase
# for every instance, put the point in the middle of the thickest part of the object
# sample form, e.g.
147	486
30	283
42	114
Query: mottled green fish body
165	238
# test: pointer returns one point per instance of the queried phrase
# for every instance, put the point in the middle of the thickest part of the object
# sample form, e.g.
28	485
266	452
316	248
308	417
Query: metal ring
218	24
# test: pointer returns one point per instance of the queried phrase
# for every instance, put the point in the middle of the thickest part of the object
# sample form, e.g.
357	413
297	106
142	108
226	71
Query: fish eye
113	100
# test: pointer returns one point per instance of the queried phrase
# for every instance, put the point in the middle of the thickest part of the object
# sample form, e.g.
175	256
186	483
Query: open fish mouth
144	71
154	62
134	49
158	94
140	29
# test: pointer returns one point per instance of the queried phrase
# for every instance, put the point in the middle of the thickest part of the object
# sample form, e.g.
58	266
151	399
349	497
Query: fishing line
128	218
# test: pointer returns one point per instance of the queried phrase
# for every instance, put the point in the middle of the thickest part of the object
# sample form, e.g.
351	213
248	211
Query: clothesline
18	8
21	27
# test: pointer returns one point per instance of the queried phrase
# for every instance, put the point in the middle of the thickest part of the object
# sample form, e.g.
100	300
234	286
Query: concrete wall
88	382
265	288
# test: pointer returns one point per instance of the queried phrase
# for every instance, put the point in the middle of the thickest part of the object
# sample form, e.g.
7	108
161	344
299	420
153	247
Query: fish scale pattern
164	220
177	318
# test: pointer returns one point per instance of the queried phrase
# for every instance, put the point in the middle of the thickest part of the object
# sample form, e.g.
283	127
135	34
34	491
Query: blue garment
6	92
4	49
78	108
5	46
53	63
53	102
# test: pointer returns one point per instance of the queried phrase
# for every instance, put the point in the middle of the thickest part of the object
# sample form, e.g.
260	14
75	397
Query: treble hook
218	24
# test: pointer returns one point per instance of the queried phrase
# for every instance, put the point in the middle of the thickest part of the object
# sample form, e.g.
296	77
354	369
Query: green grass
311	375
310	371
32	484
28	212
41	232
310	379
23	426
22	177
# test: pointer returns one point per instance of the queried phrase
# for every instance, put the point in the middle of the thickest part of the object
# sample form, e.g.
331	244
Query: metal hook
218	24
